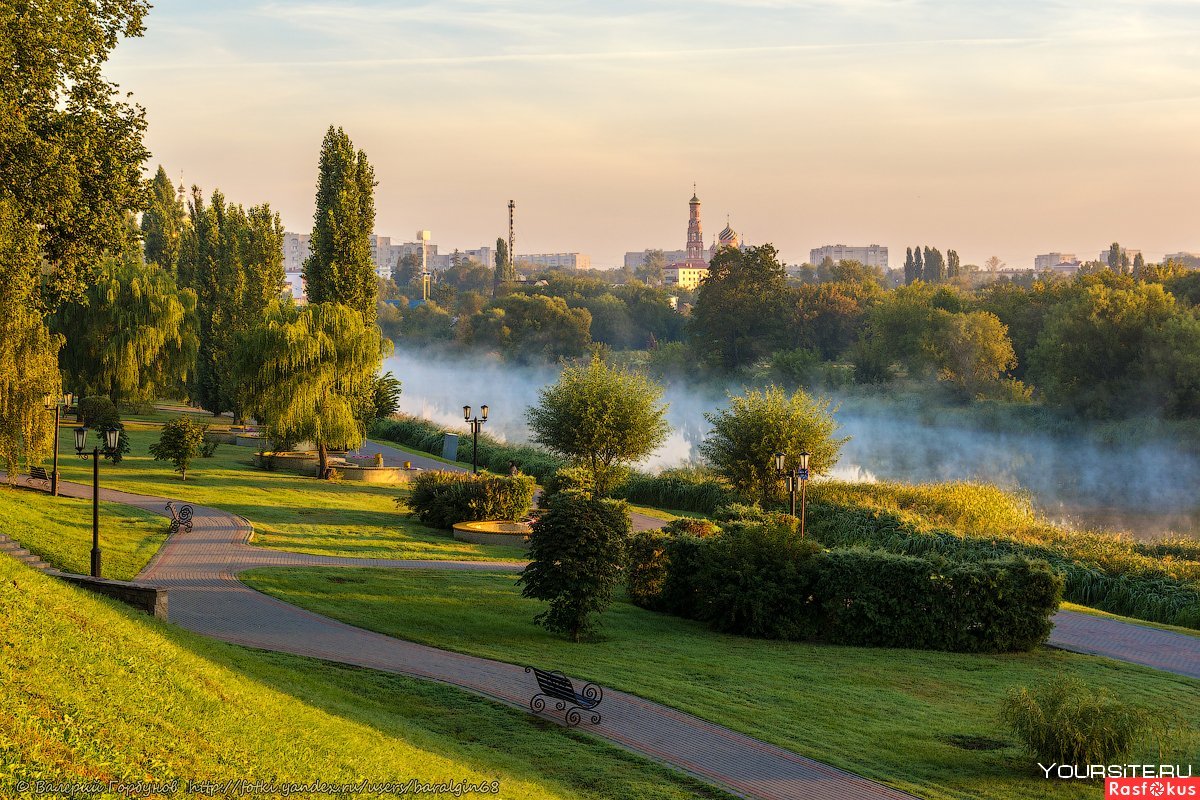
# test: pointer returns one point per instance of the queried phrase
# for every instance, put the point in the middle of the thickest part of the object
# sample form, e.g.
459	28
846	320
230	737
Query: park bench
180	519
40	475
558	687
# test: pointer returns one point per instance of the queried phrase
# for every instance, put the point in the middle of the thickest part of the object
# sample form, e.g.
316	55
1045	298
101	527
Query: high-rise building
1051	260
636	258
555	260
1128	252
873	255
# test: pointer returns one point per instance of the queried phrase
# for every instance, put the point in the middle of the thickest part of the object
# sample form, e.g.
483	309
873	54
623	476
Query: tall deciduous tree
71	149
304	372
738	316
133	338
911	273
505	272
602	418
339	268
953	265
162	223
234	261
71	157
918	263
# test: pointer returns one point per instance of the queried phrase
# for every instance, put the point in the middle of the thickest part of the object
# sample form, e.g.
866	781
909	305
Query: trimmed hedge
442	498
494	455
759	578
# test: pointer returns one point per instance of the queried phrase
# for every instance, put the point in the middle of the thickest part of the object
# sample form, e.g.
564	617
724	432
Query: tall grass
683	489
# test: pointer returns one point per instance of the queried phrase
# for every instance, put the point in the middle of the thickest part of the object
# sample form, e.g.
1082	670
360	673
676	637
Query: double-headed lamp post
797	477
56	404
475	424
112	440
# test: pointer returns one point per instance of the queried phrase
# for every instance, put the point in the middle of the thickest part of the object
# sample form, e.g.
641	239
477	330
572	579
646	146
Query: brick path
200	570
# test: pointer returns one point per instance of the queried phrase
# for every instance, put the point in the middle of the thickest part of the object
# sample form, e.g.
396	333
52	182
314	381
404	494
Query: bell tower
695	236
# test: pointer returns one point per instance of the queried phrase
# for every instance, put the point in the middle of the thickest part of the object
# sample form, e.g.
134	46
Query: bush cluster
757	577
494	455
442	498
1064	722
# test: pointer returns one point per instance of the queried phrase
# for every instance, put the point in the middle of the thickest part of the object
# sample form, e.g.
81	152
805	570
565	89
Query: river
1148	490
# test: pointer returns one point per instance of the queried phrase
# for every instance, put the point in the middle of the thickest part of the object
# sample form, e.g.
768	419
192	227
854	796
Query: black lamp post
112	440
56	405
475	424
797	477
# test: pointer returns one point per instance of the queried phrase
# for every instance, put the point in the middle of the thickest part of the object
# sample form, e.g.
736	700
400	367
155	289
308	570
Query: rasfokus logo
1132	780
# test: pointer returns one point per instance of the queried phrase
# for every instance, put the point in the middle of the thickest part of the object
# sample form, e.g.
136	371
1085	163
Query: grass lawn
891	715
59	529
92	691
289	512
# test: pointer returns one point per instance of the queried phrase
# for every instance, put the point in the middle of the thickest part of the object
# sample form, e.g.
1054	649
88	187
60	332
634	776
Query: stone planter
512	534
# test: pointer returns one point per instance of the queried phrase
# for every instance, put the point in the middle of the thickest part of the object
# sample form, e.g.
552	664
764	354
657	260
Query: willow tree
28	368
134	337
304	372
339	268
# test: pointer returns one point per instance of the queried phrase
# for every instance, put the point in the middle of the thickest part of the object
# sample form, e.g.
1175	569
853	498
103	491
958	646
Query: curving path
200	571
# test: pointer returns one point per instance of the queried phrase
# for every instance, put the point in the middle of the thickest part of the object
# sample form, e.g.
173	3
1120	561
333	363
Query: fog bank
1148	489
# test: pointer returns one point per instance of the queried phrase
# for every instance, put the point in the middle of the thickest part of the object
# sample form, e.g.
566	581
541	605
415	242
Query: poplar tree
503	272
918	263
911	273
162	223
339	268
953	265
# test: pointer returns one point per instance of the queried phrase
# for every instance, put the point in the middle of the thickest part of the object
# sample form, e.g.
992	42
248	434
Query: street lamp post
56	405
112	440
797	476
475	424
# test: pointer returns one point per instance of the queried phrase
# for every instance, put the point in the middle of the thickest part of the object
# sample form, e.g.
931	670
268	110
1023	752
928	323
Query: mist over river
1149	490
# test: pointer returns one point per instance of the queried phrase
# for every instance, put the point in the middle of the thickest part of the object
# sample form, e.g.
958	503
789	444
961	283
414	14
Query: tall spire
695	236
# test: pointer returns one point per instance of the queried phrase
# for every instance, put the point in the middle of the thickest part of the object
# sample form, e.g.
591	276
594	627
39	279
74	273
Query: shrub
1064	722
647	568
684	488
570	479
756	579
577	549
680	589
443	498
700	528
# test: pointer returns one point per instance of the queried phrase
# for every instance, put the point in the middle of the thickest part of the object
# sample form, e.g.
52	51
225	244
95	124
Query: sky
992	128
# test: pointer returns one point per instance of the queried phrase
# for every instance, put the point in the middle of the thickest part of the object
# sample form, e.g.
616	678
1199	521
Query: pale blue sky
994	128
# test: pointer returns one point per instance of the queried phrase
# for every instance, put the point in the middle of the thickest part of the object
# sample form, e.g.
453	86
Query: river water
1149	490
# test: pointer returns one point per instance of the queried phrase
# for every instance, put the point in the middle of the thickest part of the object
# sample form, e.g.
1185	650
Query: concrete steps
14	550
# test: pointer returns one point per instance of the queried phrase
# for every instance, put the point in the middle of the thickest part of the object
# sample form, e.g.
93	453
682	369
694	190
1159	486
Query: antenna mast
512	241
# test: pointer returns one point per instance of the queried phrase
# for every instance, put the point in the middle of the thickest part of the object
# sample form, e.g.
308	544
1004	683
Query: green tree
339	268
133	338
971	350
406	271
233	259
305	371
918	263
576	553
1114	256
738	317
755	426
71	158
934	270
71	149
602	418
28	350
651	270
1139	265
504	272
911	271
386	395
953	265
531	327
162	223
180	441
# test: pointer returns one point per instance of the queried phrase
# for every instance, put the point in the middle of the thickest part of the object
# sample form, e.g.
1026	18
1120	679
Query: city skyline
1006	131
